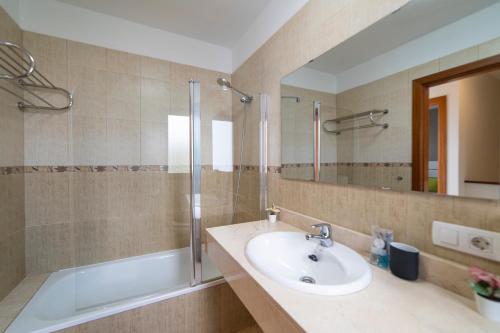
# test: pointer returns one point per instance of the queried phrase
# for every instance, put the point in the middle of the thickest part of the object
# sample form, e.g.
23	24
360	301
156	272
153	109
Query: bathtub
77	295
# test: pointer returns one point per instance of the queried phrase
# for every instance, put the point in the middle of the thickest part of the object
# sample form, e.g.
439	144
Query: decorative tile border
274	169
297	165
256	168
80	168
247	168
11	170
350	164
94	168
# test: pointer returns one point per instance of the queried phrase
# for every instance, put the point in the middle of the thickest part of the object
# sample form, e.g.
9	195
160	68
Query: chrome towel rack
369	114
18	68
296	98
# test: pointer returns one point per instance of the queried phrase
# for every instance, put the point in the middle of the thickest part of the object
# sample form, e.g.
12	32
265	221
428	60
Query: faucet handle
325	229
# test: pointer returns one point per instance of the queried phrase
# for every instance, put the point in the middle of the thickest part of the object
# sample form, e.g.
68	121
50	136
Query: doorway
437	134
437	177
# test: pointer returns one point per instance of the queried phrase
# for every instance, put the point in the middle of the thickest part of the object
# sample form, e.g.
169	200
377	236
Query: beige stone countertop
388	304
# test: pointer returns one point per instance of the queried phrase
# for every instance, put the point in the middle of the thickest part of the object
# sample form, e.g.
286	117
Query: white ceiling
413	20
220	22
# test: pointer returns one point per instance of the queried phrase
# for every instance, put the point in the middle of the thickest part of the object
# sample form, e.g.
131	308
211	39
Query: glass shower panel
217	161
195	168
129	180
298	133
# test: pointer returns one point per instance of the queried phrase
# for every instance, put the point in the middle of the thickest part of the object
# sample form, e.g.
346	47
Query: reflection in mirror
461	128
438	56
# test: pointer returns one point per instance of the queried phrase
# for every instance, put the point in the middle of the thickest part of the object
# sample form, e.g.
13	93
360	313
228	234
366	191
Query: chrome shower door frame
317	140
195	169
263	165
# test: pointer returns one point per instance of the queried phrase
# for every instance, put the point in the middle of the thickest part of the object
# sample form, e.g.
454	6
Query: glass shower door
217	120
211	169
195	169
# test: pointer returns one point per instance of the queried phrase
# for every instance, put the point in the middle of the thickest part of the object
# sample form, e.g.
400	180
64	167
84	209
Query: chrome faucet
325	234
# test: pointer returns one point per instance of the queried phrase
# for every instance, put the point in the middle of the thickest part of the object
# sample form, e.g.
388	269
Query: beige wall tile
88	86
9	30
12	259
50	54
46	139
155	69
88	141
155	100
123	96
124	142
47	198
11	205
123	62
89	196
12	219
11	132
179	87
46	135
49	248
86	55
154	145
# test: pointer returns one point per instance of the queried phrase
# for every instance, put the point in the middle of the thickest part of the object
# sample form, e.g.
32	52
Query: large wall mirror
410	103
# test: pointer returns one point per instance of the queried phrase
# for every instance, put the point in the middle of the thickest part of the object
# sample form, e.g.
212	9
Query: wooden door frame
420	145
441	104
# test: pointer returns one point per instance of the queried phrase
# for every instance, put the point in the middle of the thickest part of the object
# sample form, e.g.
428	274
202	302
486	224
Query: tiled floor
14	302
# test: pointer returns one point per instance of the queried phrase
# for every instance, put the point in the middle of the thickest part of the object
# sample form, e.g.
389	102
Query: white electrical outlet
474	241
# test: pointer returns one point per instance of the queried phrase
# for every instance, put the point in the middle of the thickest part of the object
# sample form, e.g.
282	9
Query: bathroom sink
291	260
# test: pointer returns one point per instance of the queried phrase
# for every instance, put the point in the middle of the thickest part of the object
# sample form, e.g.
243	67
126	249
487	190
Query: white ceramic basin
284	257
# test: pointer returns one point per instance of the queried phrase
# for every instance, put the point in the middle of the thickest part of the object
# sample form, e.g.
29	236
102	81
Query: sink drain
307	279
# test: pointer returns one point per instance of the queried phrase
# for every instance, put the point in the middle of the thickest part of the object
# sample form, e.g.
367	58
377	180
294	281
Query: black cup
404	261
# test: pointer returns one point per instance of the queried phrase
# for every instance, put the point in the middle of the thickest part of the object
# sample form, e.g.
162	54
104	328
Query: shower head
226	85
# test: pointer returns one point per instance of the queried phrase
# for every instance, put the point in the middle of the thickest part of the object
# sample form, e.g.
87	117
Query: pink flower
478	275
474	269
496	279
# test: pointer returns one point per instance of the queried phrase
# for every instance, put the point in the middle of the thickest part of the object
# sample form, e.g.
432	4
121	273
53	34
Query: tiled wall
128	202
11	182
375	144
249	189
319	26
379	157
297	125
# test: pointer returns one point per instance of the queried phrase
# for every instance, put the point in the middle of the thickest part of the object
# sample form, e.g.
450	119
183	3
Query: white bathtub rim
129	305
115	308
105	310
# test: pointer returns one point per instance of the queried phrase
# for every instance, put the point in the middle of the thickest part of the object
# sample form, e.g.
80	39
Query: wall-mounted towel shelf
367	114
18	68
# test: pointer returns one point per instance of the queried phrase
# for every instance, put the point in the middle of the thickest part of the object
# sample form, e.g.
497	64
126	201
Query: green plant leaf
482	289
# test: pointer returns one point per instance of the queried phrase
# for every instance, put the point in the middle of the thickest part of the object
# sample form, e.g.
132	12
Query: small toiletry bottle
379	251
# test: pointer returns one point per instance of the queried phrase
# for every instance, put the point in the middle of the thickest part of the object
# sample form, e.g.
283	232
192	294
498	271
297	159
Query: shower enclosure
119	189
